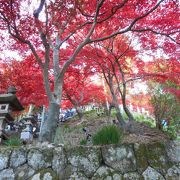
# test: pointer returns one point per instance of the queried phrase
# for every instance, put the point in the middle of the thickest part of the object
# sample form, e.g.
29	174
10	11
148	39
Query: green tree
165	105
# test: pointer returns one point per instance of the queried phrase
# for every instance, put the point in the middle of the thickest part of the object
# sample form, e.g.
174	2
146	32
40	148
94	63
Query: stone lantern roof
11	99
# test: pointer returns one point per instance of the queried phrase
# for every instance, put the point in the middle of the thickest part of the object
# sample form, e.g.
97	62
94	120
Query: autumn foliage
57	32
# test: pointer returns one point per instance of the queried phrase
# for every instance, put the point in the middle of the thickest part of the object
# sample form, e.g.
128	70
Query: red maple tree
26	76
75	24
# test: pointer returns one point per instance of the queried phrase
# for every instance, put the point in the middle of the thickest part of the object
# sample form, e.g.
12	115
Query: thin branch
86	41
141	77
128	28
113	11
158	33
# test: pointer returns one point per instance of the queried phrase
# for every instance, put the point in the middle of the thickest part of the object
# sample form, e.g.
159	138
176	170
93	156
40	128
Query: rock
107	173
44	145
7	174
84	159
36	177
18	158
45	174
173	151
4	158
120	158
115	162
108	178
40	159
102	172
117	176
152	174
24	172
77	176
173	173
157	157
70	171
59	160
132	176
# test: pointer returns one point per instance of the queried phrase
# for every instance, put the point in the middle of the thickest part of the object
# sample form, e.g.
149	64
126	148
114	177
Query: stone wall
126	161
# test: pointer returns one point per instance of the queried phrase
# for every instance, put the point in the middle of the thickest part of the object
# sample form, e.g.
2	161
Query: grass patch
107	135
13	142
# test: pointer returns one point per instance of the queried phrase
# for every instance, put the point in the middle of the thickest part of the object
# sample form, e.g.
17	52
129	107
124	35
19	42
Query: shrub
172	129
83	142
149	123
107	135
13	142
146	120
165	104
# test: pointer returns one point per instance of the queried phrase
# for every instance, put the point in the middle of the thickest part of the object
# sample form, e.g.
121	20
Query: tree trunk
128	113
109	111
116	104
80	113
120	119
50	124
118	112
158	124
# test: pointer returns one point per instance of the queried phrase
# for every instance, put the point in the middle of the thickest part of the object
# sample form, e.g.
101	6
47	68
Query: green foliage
83	142
166	106
13	142
114	114
66	126
148	121
172	129
107	135
86	114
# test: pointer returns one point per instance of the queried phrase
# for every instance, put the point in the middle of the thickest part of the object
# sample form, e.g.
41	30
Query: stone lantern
8	103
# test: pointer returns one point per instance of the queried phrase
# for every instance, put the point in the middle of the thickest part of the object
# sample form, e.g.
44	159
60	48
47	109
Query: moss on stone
157	157
141	157
72	173
79	150
67	172
48	154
